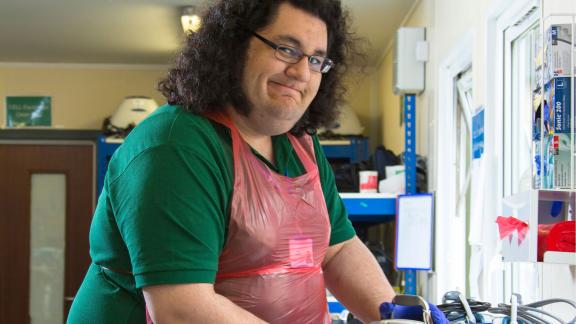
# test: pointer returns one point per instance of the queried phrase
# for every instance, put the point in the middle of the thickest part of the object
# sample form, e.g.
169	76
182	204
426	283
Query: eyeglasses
293	55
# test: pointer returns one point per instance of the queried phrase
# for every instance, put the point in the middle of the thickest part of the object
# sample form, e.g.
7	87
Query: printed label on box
561	104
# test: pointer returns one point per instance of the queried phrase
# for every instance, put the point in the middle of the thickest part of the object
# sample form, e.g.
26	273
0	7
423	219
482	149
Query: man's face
280	92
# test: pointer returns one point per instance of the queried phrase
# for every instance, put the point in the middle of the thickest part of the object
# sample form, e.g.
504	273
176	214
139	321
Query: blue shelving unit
105	149
373	208
354	149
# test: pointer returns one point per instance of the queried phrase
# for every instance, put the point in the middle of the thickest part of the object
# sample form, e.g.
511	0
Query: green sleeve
342	229
171	212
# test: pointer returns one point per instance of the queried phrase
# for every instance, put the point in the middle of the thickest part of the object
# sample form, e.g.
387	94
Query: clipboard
414	231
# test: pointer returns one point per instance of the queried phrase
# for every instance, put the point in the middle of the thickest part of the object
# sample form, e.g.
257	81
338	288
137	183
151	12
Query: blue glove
411	312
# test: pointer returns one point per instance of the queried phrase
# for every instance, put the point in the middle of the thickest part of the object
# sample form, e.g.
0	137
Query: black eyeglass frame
325	66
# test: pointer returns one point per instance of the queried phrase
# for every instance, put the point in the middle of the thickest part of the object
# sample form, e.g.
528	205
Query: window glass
522	78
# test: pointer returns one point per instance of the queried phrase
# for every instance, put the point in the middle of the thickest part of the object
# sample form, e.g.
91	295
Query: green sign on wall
28	111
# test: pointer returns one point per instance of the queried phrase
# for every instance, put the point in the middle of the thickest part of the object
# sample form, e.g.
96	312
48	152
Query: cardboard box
562	171
536	165
558	51
547	162
560	99
560	105
547	112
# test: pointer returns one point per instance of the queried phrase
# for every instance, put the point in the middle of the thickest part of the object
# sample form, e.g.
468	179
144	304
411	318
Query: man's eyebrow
295	42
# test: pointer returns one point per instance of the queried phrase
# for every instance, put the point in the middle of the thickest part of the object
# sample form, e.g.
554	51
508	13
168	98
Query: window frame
450	259
511	180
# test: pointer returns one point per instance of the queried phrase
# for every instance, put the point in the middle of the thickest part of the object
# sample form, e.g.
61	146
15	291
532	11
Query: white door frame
449	229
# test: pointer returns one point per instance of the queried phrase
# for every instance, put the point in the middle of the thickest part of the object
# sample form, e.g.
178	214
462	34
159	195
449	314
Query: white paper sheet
414	231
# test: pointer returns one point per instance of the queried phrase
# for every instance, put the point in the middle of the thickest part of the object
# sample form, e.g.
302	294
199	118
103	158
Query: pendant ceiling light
191	21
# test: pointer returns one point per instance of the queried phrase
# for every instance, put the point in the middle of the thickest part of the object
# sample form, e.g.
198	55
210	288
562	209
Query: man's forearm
355	278
193	304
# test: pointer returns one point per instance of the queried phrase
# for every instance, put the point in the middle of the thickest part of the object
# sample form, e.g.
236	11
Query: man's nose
299	70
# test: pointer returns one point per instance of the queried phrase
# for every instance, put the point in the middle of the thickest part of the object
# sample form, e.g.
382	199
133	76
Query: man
221	208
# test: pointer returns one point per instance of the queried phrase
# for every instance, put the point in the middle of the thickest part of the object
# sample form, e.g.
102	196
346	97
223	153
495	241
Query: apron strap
221	118
304	147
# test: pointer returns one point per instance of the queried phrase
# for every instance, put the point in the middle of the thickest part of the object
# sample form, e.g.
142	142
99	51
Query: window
520	50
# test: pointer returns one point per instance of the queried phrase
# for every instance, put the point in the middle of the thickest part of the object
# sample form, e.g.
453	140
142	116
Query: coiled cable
454	309
525	312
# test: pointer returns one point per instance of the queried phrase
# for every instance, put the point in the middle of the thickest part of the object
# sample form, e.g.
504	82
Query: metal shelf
371	207
560	257
355	149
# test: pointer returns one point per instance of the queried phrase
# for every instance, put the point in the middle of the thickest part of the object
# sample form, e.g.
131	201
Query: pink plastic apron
278	235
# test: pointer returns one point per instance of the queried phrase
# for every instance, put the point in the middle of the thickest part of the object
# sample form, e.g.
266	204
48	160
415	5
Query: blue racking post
104	152
410	168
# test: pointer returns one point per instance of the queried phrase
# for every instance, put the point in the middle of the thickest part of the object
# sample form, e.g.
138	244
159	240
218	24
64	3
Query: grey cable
524	310
536	310
554	301
506	310
551	301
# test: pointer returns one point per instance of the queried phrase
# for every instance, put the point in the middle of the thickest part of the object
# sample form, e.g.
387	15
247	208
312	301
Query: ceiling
141	31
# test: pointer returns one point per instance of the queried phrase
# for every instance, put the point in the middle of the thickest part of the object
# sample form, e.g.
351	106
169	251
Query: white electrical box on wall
410	56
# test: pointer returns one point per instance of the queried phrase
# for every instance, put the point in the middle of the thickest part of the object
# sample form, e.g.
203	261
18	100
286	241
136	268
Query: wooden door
18	163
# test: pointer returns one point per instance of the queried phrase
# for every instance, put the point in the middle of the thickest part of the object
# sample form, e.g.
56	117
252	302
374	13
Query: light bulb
191	22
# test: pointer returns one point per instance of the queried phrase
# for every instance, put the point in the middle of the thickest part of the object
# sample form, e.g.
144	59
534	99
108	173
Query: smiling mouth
283	86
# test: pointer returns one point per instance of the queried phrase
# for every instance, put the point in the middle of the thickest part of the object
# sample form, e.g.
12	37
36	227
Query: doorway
46	205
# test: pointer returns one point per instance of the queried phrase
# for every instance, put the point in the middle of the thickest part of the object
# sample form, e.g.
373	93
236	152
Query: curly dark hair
208	71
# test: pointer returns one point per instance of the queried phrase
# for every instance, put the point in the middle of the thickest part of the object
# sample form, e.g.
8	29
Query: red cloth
559	236
507	226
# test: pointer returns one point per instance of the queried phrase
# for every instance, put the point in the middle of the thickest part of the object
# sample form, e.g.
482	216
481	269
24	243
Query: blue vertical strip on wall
410	168
410	142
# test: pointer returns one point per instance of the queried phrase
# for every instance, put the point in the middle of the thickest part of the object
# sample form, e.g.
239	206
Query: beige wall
82	95
362	97
390	104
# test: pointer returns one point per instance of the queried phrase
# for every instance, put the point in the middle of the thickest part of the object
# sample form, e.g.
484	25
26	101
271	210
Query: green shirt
164	209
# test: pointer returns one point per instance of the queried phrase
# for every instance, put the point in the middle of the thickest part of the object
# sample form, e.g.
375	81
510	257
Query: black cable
455	310
563	41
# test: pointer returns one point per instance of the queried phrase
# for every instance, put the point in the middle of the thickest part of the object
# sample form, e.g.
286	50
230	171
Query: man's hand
390	310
